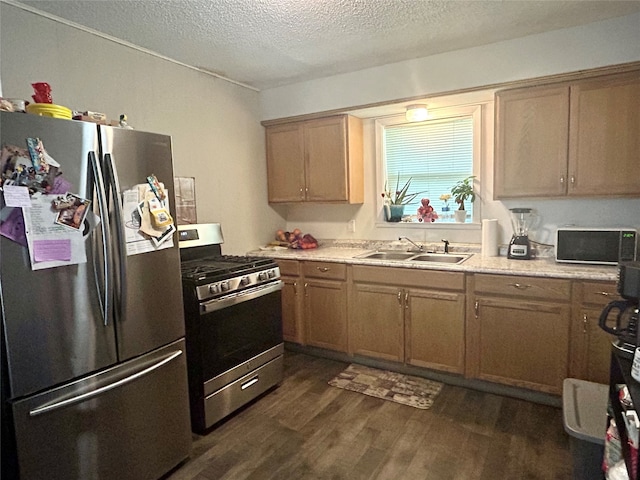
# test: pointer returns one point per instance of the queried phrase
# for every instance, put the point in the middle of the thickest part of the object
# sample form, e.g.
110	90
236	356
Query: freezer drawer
129	422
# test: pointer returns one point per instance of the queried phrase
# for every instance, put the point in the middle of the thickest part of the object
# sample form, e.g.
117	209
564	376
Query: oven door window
235	334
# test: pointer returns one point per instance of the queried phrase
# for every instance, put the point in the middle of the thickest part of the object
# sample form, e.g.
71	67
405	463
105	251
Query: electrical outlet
351	226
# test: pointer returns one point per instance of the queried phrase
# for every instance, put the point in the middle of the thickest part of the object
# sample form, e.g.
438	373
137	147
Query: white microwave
604	246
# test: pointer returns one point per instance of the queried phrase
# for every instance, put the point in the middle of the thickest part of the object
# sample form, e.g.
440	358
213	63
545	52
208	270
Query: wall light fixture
416	113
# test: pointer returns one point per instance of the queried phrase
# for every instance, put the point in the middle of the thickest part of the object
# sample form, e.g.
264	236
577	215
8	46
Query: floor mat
405	389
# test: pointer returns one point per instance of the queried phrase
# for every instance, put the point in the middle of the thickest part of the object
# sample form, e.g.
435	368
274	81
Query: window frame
476	112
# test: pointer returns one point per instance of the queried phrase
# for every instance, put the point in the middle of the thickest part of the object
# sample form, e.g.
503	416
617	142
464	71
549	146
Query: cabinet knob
323	269
305	289
561	179
585	322
573	179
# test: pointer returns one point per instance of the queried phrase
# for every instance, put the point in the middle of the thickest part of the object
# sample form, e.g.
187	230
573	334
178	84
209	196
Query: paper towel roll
490	237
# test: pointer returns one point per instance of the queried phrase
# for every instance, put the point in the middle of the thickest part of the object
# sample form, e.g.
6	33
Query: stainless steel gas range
233	316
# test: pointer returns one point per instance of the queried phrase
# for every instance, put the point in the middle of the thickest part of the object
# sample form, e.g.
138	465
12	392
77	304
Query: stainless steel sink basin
440	258
415	257
388	255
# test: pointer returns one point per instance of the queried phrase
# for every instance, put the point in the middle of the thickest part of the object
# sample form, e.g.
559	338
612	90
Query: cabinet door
291	309
598	347
532	128
605	136
377	321
326	159
285	162
522	343
435	330
325	314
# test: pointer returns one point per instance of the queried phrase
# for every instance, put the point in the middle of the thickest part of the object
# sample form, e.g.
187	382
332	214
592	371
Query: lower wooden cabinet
377	321
292	328
434	328
590	345
527	332
325	305
519	331
403	323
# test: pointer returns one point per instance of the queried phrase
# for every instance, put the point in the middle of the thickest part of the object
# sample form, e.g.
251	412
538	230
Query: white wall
598	44
214	124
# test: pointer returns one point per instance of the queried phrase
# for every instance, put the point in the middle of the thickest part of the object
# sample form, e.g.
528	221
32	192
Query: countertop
543	266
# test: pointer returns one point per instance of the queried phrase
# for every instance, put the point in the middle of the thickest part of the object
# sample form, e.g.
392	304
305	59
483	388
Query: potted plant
462	191
394	202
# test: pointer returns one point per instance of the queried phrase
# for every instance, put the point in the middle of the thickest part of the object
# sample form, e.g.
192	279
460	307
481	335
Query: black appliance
620	317
233	316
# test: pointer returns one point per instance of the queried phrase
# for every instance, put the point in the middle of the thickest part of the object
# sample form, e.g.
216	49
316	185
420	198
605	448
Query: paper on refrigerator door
50	245
137	242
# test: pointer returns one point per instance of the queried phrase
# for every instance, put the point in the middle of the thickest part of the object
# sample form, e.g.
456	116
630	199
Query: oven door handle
243	296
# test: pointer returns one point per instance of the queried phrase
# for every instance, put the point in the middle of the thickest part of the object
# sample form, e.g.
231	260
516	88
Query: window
434	154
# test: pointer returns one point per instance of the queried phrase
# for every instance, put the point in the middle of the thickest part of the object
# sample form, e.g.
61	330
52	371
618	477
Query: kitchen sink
388	255
415	257
440	257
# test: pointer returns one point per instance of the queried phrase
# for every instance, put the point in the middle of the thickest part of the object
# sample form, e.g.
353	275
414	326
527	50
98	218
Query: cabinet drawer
289	267
598	293
335	271
409	277
530	287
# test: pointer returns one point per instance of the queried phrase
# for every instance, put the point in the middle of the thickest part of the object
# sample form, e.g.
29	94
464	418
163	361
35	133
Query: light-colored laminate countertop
540	267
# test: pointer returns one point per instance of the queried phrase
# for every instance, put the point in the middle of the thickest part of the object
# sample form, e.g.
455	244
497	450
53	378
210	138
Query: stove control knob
224	286
272	273
245	281
262	276
213	288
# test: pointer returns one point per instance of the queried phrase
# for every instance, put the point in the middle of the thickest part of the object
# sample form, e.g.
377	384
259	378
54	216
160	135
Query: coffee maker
520	246
620	317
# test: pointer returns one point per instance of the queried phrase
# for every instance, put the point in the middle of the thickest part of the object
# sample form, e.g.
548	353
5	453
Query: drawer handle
400	297
406	300
585	322
520	286
604	294
323	269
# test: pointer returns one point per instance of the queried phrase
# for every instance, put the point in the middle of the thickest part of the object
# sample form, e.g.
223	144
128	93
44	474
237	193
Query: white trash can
584	409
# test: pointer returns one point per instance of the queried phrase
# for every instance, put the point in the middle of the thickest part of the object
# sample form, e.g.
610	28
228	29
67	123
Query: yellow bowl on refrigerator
49	110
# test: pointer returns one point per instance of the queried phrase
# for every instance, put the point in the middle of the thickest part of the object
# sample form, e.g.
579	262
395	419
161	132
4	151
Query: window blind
434	154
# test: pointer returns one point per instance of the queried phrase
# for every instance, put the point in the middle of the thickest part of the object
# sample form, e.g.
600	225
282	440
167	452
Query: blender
520	246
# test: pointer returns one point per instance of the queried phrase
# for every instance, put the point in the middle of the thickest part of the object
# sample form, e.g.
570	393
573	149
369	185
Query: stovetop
220	267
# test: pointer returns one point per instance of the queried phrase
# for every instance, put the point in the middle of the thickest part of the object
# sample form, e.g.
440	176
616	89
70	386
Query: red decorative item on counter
43	92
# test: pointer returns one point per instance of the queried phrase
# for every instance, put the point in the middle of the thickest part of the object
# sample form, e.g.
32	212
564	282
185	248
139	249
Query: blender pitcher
521	221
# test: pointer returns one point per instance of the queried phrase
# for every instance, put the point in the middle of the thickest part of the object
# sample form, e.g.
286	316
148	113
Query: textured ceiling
267	43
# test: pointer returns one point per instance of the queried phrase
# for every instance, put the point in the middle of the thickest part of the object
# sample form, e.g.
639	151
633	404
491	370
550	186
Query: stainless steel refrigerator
94	381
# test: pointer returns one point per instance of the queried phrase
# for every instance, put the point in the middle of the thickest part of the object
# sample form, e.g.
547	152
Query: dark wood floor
306	429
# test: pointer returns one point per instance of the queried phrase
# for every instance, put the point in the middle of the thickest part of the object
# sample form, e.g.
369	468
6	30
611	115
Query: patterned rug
407	390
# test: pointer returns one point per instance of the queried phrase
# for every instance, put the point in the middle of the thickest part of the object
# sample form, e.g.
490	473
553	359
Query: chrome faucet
419	247
446	245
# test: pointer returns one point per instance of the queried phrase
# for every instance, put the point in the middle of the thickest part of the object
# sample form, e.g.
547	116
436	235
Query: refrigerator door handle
119	222
106	236
99	391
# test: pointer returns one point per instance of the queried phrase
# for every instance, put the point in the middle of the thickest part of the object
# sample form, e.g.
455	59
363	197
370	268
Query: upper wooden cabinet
578	138
317	160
